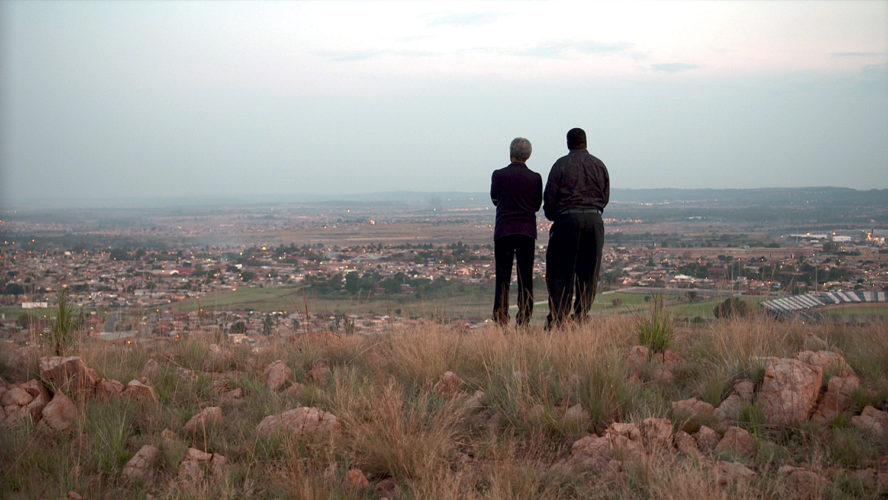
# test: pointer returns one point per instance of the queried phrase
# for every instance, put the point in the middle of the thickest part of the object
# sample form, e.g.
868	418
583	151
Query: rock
16	396
732	471
139	391
73	495
170	441
685	444
59	413
356	480
730	408
789	391
305	422
107	388
657	433
14	414
671	361
745	389
692	413
706	438
826	361
33	387
628	430
293	391
804	483
837	398
234	395
191	470
591	453
67	374
872	420
150	370
186	375
448	384
577	417
41	399
276	374
139	467
477	401
736	440
207	417
319	373
626	441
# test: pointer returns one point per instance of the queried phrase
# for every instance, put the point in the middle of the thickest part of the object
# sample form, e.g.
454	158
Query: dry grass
402	433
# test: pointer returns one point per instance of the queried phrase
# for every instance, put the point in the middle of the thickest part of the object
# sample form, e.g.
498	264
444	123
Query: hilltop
435	412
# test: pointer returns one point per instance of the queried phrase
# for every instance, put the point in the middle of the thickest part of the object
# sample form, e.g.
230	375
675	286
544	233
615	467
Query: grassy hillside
412	440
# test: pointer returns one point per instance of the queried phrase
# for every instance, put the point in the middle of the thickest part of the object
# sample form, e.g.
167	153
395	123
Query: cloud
672	67
363	55
463	19
856	54
560	48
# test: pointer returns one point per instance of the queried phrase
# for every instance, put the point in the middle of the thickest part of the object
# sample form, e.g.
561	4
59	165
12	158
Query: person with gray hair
517	193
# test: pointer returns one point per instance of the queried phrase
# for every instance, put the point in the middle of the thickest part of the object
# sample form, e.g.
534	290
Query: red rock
872	420
706	438
138	468
305	422
449	384
692	412
205	418
16	396
805	484
67	374
107	388
150	370
826	361
59	413
732	471
657	433
276	374
138	390
789	391
685	444
837	398
738	441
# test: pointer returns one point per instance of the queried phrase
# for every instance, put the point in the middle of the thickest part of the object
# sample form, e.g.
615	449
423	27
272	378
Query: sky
126	100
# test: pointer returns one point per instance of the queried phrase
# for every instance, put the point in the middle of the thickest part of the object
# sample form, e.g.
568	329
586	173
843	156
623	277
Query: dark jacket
576	181
517	192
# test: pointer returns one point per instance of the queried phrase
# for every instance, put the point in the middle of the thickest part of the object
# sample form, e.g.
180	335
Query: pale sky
128	99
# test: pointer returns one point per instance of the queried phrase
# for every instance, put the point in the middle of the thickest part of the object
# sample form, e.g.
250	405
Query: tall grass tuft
62	332
656	330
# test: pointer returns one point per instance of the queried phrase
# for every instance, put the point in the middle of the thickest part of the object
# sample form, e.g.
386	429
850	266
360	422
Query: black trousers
505	249
573	263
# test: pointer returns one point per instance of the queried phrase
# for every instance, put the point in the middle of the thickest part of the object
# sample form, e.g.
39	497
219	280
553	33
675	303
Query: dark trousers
506	248
573	263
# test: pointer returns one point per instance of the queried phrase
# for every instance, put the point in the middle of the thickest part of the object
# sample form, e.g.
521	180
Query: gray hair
520	149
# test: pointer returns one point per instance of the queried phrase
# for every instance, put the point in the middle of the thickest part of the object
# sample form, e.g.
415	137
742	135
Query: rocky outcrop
789	391
804	483
139	391
736	441
837	399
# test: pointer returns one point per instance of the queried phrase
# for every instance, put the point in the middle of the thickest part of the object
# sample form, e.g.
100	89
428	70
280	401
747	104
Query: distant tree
732	307
248	275
239	327
267	325
14	289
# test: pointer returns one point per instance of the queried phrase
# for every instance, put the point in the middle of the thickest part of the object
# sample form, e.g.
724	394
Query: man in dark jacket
577	191
517	193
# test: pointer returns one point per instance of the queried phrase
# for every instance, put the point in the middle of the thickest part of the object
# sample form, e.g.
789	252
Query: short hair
576	139
520	149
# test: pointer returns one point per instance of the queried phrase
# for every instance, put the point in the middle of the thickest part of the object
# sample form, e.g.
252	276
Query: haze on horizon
176	99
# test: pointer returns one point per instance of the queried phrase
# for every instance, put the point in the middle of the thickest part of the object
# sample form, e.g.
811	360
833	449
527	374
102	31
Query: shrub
732	307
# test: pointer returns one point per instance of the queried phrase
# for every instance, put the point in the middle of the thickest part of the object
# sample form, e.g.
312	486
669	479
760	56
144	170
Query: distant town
286	271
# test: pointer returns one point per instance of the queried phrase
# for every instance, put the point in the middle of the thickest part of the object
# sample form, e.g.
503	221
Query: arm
607	187
550	196
538	199
494	189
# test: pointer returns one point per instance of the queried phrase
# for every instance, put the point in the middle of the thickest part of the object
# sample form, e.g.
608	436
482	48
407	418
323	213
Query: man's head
519	150
576	139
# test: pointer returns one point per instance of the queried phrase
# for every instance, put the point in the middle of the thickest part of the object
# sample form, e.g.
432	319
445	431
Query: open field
857	310
411	438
